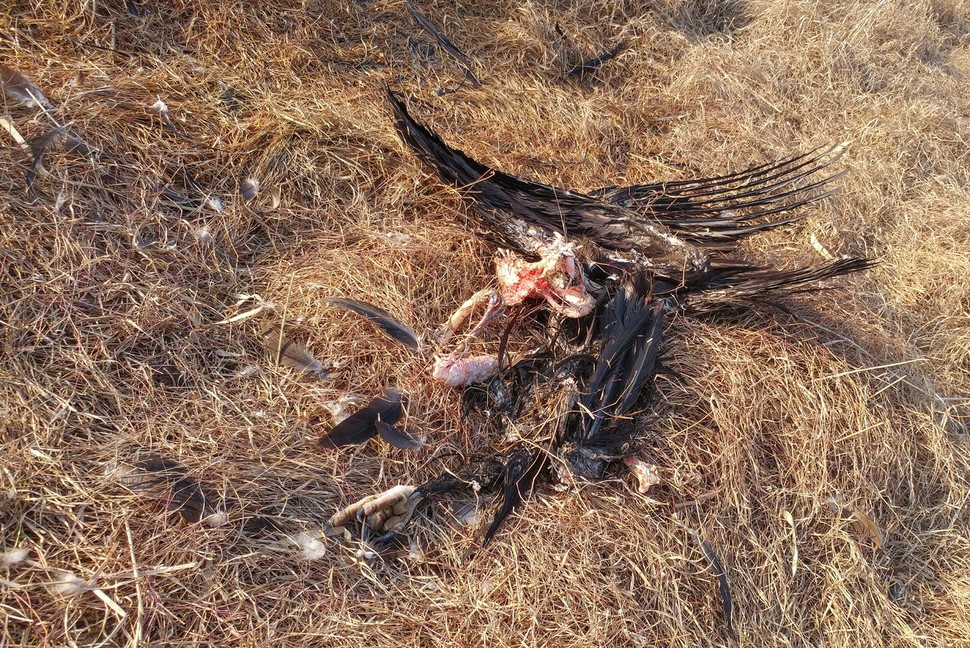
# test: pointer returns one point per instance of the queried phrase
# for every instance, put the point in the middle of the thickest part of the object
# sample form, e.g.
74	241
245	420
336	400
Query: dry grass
860	393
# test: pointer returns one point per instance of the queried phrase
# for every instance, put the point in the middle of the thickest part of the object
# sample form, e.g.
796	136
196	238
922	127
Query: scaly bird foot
381	512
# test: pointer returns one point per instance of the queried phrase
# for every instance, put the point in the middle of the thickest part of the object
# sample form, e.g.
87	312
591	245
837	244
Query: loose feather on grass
288	352
18	87
593	64
521	473
249	188
362	425
53	140
393	327
862	523
721	576
448	46
397	437
169	481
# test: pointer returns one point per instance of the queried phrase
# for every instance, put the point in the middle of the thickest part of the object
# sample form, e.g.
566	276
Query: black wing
525	215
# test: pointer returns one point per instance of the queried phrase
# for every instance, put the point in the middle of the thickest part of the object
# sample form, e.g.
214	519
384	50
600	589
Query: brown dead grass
860	393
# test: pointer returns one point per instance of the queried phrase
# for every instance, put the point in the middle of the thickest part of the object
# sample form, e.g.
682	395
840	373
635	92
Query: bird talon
380	512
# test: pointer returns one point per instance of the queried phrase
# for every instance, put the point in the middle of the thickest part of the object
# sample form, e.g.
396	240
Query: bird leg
381	512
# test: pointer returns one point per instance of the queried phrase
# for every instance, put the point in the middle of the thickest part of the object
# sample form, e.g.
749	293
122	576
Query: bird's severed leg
381	512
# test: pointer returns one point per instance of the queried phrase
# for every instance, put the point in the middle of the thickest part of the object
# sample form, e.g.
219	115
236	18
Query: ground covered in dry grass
122	273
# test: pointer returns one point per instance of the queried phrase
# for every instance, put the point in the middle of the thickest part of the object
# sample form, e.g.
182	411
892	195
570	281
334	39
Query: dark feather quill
448	46
160	477
593	64
521	472
393	327
396	437
721	576
362	425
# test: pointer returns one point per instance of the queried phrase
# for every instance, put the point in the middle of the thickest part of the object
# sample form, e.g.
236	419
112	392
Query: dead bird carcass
617	261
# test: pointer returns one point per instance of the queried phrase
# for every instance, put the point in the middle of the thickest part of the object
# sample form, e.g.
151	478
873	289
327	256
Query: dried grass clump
821	448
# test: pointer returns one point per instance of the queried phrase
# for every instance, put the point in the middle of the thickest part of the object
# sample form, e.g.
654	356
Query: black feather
396	437
170	481
593	64
362	425
382	319
631	327
449	47
693	206
521	472
526	216
737	285
721	575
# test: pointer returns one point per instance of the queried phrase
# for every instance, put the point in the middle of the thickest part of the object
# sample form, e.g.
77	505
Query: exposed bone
485	296
645	473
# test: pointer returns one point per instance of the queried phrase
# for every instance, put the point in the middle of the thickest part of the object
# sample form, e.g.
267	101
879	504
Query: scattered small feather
290	353
169	375
68	584
160	105
396	437
168	480
215	204
339	408
721	576
18	87
382	319
249	188
862	523
56	139
14	556
162	109
362	425
312	548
